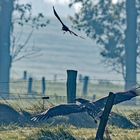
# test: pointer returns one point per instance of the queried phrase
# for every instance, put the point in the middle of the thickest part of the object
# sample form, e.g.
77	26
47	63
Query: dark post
25	75
44	98
71	86
85	85
43	86
30	83
104	117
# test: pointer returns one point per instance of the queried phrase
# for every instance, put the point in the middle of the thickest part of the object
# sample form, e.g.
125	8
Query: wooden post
104	117
80	78
85	85
55	77
43	86
30	83
44	98
71	86
93	97
25	75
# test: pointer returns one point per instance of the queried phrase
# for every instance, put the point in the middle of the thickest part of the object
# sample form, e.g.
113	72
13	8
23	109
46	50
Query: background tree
6	9
11	14
106	23
23	17
131	43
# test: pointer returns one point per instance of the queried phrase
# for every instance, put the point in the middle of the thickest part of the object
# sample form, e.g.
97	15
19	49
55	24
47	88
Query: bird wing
67	29
63	109
124	96
119	97
57	16
100	104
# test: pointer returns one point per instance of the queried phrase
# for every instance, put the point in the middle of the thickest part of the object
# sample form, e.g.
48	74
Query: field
33	103
63	133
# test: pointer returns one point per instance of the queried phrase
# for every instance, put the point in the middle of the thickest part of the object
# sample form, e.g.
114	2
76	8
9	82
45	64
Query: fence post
93	97
25	75
85	85
71	86
104	117
43	86
80	78
55	77
44	98
30	83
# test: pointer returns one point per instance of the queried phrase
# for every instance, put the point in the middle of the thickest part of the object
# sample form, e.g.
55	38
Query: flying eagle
64	27
63	109
94	109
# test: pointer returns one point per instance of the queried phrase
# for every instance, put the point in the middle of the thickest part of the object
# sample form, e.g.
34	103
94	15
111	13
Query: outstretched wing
124	96
63	109
57	16
120	97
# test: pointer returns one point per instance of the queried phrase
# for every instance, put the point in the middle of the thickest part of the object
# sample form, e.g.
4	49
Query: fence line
61	79
21	88
60	99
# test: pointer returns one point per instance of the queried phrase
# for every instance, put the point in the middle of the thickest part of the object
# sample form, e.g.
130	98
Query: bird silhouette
64	27
94	109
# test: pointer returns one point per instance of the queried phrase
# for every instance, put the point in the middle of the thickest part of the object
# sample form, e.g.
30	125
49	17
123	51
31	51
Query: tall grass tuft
58	133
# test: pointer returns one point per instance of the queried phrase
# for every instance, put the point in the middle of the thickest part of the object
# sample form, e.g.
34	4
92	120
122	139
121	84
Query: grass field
57	92
63	133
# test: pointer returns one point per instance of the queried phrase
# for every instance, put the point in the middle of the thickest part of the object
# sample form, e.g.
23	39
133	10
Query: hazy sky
45	6
61	6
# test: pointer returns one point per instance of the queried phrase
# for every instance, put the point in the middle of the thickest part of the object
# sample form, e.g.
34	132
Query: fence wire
57	89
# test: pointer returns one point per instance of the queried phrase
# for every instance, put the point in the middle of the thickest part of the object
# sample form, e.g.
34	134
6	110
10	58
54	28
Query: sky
45	6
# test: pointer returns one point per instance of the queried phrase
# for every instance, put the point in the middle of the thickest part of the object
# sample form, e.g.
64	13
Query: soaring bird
64	27
94	109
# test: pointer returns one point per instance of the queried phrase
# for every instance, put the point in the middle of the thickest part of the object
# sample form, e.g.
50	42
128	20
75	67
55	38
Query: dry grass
13	132
64	133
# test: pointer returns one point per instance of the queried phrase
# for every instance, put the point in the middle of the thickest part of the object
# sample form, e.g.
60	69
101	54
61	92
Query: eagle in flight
94	109
64	27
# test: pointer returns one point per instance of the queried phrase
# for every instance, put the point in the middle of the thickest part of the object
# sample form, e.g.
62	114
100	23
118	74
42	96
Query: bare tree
6	9
23	17
10	47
